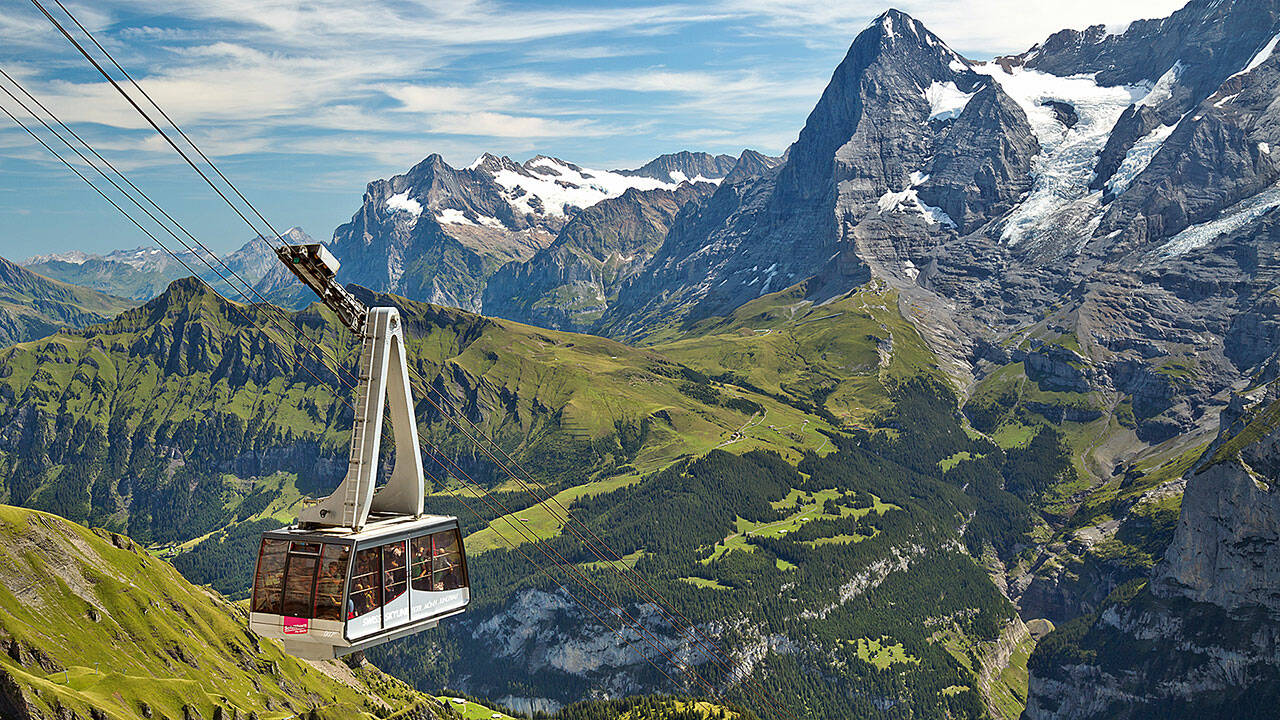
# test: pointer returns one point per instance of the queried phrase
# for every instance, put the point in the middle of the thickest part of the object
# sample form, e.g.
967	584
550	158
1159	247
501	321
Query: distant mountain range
439	233
32	306
144	272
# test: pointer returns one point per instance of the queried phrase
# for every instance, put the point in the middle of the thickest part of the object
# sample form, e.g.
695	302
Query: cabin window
395	567
366	591
448	571
421	568
300	580
270	579
333	576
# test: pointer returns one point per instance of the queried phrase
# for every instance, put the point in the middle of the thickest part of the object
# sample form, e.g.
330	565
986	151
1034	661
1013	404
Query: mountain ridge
33	306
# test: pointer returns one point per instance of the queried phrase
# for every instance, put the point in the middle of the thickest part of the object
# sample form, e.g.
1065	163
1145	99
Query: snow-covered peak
74	257
549	186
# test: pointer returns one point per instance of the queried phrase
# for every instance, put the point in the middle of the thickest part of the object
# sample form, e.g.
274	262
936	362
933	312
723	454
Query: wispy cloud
308	97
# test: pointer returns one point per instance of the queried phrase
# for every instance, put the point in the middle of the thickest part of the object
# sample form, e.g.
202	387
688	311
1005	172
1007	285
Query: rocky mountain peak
685	165
900	74
750	164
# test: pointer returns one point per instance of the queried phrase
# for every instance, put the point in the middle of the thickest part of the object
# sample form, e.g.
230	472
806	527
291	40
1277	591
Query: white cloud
353	91
987	26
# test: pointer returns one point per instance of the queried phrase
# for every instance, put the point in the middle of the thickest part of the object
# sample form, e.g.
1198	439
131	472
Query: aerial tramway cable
293	357
483	494
435	453
566	519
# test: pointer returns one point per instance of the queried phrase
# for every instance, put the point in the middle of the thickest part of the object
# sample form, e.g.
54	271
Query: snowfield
946	101
560	188
401	202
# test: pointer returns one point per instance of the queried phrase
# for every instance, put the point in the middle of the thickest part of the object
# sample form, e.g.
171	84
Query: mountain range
143	272
33	306
1010	326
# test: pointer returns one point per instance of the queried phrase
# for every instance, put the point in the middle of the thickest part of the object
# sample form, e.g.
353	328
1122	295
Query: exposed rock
1203	638
685	165
570	284
983	163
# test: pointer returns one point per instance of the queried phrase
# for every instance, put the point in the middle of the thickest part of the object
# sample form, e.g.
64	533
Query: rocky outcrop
751	164
1202	639
571	283
983	163
547	634
685	165
1226	550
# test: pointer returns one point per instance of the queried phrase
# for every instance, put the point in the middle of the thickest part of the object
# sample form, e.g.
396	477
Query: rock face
1203	638
977	175
569	284
859	158
1226	550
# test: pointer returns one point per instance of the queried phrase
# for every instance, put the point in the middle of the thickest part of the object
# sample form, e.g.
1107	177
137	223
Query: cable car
365	565
328	592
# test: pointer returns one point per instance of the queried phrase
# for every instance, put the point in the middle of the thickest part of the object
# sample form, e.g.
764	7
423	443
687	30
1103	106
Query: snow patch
1064	168
910	269
559	188
946	101
452	216
887	24
1138	158
1261	56
402	202
908	200
1264	148
1226	100
1163	89
74	257
1229	220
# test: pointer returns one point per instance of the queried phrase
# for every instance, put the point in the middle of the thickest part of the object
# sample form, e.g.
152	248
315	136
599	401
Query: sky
301	104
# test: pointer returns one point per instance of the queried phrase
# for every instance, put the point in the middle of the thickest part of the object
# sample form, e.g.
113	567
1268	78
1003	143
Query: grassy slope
811	368
544	395
33	306
840	356
114	628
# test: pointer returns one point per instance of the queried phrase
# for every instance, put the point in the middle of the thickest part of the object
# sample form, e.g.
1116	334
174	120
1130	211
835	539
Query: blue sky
303	103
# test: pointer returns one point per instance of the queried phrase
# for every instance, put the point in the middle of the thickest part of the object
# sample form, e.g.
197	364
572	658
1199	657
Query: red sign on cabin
295	625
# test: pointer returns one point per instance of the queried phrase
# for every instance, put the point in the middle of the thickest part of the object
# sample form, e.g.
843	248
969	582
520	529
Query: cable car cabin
329	592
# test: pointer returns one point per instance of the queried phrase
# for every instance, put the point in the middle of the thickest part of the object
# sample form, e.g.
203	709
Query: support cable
272	312
566	519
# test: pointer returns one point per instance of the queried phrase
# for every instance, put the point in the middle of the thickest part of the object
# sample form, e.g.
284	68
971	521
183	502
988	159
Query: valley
965	406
